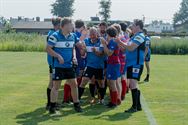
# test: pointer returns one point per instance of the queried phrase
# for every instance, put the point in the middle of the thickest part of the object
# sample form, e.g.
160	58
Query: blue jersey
81	61
136	57
92	59
148	44
63	46
50	58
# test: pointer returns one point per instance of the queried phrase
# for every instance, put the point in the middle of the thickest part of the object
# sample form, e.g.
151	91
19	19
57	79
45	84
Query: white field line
150	117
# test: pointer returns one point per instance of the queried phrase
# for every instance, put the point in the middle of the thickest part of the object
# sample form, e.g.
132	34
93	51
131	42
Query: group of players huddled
105	56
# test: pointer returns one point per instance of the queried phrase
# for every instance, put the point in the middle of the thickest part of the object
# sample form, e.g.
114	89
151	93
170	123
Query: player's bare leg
74	94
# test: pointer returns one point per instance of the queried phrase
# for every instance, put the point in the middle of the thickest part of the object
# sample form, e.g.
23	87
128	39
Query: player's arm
146	51
74	59
51	52
124	46
107	51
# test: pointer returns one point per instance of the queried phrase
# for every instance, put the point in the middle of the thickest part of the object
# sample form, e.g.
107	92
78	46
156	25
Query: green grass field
24	78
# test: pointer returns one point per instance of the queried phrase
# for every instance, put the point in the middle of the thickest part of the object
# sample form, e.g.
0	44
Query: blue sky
121	9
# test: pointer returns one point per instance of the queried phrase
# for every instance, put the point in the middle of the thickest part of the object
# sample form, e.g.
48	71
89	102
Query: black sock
102	92
105	88
52	104
138	100
147	76
92	90
134	98
48	96
80	92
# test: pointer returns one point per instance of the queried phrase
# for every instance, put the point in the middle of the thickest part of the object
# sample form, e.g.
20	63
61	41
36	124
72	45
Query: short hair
93	29
117	26
145	31
56	21
65	20
139	23
79	23
103	24
123	26
111	31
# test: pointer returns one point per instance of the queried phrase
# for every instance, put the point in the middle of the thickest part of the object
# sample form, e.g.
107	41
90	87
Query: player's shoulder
112	42
147	38
74	37
50	32
140	37
87	41
54	36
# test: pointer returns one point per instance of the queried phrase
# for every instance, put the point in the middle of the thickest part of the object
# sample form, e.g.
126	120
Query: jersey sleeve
112	45
76	38
52	40
138	40
49	34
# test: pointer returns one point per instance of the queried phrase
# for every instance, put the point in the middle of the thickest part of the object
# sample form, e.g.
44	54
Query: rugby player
135	50
61	47
111	49
80	31
122	63
147	55
95	64
56	26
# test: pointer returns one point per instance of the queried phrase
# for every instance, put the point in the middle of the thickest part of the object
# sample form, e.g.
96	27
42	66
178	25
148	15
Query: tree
181	16
3	21
63	8
105	9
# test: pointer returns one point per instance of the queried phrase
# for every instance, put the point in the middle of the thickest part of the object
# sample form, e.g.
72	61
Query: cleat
111	105
131	110
78	108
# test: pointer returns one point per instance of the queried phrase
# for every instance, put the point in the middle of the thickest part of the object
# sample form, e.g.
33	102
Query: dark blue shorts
113	71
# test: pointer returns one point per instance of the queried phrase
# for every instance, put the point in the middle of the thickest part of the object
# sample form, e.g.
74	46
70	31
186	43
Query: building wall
39	31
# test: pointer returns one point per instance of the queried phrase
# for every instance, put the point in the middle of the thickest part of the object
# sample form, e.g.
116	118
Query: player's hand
103	41
94	49
60	59
74	61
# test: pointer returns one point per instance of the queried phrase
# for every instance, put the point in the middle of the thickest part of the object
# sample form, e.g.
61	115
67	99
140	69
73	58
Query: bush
35	42
169	46
22	42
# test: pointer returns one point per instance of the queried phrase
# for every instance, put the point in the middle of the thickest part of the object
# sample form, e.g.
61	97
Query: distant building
20	19
159	27
31	25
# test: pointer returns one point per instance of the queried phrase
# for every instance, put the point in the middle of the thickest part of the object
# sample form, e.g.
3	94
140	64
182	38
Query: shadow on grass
41	115
115	117
35	117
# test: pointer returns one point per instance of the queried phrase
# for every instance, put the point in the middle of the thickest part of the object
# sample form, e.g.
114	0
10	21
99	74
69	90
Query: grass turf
24	78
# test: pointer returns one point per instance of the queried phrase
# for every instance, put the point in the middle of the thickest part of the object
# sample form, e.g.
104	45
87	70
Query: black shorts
50	69
63	73
90	72
134	72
